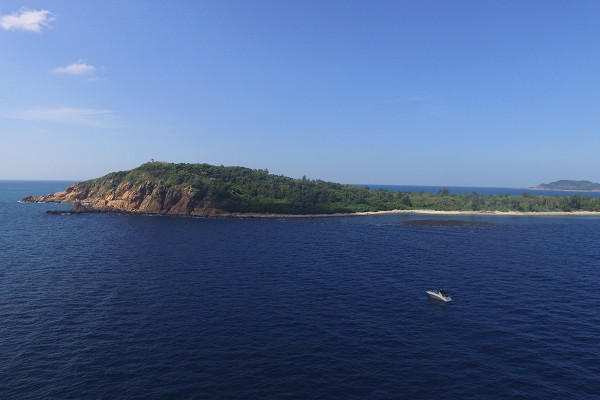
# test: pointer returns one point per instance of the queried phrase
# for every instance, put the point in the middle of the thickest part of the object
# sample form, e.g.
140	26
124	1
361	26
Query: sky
482	93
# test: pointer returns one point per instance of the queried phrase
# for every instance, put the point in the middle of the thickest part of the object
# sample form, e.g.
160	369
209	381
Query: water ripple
113	306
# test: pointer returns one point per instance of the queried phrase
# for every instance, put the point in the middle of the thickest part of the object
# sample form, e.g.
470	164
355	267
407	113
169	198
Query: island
569	185
204	190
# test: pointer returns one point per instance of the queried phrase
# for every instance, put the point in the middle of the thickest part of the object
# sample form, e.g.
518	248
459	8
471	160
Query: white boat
440	295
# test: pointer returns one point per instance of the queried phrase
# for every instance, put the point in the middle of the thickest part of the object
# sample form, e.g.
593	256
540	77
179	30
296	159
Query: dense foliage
239	189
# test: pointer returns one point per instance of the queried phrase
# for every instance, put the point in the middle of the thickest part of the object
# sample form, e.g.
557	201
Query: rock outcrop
128	197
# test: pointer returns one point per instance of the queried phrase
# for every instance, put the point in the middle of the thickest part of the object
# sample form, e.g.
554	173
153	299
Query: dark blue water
105	306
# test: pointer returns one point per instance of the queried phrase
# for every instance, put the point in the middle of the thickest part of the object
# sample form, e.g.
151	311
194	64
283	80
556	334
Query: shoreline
487	213
429	212
388	212
356	214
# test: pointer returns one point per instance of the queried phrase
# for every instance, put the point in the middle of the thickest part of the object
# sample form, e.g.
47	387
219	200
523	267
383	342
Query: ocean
105	306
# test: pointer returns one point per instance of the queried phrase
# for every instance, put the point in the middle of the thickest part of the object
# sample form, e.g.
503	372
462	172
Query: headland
203	190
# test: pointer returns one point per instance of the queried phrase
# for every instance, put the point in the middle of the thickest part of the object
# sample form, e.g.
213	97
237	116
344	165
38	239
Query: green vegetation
238	189
482	202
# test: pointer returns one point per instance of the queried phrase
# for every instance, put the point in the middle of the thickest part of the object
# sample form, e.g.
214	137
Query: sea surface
109	306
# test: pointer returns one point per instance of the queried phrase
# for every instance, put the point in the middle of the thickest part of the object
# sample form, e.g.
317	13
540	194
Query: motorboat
440	295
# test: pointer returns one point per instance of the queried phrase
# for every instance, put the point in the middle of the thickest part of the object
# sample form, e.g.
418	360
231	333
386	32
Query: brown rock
145	198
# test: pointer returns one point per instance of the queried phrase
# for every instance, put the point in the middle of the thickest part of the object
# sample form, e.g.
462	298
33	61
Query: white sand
503	213
418	212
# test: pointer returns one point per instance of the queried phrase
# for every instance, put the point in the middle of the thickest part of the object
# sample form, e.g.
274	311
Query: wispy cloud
27	20
93	117
77	68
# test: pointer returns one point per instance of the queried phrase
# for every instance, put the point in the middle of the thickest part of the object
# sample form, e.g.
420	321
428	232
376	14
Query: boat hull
439	297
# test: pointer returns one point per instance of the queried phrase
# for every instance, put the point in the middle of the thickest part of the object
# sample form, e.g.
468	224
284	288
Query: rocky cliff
146	197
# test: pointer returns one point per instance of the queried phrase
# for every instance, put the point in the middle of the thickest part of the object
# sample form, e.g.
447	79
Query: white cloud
77	68
27	20
70	116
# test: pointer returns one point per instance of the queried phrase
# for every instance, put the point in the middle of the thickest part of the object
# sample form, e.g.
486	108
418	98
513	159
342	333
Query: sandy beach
419	212
499	213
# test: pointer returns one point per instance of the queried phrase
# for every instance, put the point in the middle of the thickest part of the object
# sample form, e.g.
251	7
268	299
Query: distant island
564	184
205	190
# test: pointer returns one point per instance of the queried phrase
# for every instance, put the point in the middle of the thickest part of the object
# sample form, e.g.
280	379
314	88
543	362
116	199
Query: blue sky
456	93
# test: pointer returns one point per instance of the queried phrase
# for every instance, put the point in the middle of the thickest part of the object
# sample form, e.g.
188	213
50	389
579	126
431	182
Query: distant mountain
564	184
